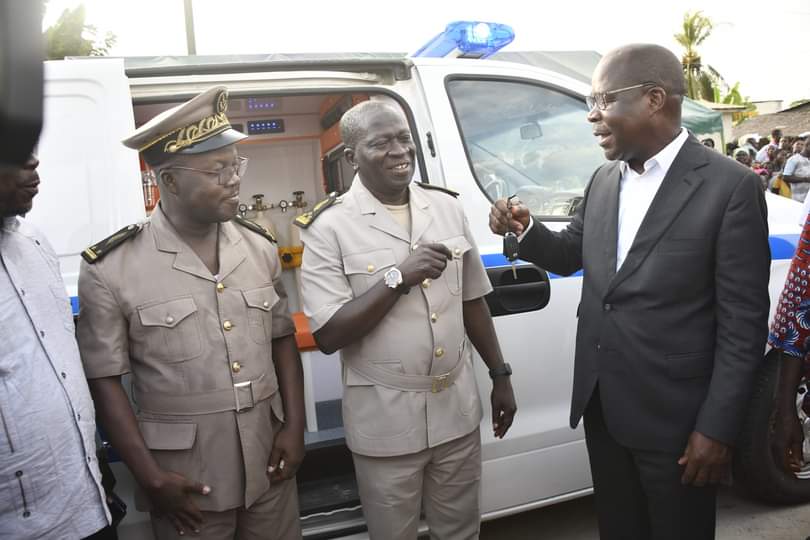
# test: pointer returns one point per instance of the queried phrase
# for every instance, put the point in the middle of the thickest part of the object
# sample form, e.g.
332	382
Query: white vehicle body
91	187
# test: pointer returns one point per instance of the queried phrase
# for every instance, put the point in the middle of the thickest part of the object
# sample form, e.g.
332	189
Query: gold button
266	304
434	317
426	283
227	325
415	247
169	319
220	287
457	251
439	352
370	268
236	367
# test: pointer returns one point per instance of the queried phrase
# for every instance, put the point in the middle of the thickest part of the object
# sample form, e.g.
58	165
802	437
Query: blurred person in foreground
672	239
50	483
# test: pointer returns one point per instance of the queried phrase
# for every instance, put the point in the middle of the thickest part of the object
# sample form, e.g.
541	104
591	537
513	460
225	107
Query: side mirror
530	131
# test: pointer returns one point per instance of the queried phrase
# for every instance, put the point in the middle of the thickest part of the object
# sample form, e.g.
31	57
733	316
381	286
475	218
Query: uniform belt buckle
245	388
440	383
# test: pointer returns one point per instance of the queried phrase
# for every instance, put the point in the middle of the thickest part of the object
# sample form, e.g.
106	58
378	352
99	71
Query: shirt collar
11	223
664	157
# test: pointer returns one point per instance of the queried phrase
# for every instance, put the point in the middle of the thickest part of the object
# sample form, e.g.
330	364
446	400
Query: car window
527	140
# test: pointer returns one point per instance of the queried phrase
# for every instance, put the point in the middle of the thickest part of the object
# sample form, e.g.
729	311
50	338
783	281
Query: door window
527	140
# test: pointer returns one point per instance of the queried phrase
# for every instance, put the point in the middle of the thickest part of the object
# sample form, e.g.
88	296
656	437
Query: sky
764	46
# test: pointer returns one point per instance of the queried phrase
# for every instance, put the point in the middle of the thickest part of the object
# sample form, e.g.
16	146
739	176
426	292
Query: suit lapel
678	186
167	240
374	214
420	216
232	251
611	219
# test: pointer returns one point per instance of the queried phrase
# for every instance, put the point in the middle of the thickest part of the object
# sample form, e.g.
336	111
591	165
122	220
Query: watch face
393	278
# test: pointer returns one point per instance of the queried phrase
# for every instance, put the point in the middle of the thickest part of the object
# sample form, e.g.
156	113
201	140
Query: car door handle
531	290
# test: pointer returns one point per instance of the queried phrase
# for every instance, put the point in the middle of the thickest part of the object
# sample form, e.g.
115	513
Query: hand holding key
505	217
511	246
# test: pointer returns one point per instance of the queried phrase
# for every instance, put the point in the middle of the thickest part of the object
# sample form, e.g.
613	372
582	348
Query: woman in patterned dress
790	334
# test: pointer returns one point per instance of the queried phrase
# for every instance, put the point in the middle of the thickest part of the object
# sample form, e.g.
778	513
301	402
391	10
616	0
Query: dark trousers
107	533
639	495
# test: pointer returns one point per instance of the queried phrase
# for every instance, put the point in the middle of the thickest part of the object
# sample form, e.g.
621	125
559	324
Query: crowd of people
781	161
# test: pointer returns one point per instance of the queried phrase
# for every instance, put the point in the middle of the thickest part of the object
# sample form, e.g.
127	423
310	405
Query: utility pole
191	40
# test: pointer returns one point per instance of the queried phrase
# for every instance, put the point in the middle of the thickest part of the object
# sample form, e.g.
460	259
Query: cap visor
229	136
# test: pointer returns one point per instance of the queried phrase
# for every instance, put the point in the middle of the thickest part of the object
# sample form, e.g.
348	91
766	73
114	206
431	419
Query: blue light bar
468	39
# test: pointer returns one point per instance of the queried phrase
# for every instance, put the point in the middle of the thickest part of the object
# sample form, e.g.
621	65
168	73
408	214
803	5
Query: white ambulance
483	128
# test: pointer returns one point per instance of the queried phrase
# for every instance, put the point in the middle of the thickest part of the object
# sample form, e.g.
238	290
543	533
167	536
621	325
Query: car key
511	245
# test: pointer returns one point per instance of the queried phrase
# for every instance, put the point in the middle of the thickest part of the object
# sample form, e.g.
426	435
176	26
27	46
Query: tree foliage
72	36
696	29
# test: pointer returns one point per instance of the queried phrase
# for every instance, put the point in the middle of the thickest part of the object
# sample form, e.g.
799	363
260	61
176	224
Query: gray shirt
50	484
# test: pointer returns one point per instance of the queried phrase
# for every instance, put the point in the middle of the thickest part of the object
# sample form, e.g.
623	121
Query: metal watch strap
503	369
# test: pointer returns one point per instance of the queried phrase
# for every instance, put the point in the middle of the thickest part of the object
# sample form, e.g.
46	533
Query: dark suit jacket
674	337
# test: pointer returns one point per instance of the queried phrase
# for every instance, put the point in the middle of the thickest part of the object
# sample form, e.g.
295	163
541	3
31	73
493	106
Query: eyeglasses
603	99
224	174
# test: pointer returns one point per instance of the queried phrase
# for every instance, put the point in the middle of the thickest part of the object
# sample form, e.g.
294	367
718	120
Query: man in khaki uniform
392	278
191	304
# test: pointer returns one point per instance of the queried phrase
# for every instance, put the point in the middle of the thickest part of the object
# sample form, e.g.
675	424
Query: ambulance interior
295	157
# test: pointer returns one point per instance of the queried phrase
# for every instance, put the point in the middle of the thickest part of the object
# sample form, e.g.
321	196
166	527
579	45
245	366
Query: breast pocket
675	246
260	302
364	270
171	329
454	273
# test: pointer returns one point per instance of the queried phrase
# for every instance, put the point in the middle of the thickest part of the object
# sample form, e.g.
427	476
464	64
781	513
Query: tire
754	467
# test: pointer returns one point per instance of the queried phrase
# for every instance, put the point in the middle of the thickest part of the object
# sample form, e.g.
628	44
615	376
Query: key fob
510	246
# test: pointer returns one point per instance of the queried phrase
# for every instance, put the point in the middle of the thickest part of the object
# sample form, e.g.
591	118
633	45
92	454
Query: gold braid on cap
204	129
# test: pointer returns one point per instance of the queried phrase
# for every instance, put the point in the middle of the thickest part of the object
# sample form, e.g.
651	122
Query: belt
406	382
242	396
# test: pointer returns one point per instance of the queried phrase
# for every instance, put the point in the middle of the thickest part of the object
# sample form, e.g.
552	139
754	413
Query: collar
167	239
11	223
664	157
369	204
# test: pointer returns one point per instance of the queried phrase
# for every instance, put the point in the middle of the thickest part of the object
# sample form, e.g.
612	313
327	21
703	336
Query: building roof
792	122
721	107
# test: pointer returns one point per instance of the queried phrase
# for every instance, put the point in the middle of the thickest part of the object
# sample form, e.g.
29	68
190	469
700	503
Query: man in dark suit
673	242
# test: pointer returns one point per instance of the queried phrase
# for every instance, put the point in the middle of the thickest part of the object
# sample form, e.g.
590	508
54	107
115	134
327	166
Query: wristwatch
503	369
393	278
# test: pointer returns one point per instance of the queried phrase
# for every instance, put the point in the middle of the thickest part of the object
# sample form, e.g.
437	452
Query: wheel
754	467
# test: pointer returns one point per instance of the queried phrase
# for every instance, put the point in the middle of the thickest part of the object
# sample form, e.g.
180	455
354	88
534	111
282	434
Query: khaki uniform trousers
274	516
444	481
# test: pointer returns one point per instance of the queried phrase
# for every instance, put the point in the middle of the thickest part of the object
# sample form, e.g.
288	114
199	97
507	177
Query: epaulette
98	251
437	188
306	219
255	227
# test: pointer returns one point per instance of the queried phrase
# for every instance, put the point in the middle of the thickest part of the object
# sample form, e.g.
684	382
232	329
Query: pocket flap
370	262
689	365
263	298
165	436
458	246
167	314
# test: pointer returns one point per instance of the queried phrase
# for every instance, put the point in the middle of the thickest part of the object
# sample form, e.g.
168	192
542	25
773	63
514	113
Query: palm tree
699	81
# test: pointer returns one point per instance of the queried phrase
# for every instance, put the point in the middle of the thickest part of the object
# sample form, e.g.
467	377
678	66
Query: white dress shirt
636	193
50	484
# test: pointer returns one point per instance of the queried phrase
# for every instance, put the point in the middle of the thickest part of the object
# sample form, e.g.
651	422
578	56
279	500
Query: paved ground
738	519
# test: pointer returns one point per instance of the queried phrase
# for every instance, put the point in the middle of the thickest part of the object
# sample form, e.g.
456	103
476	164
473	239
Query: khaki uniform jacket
348	249
199	349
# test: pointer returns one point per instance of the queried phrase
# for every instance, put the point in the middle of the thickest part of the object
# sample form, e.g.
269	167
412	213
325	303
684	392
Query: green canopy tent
579	65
